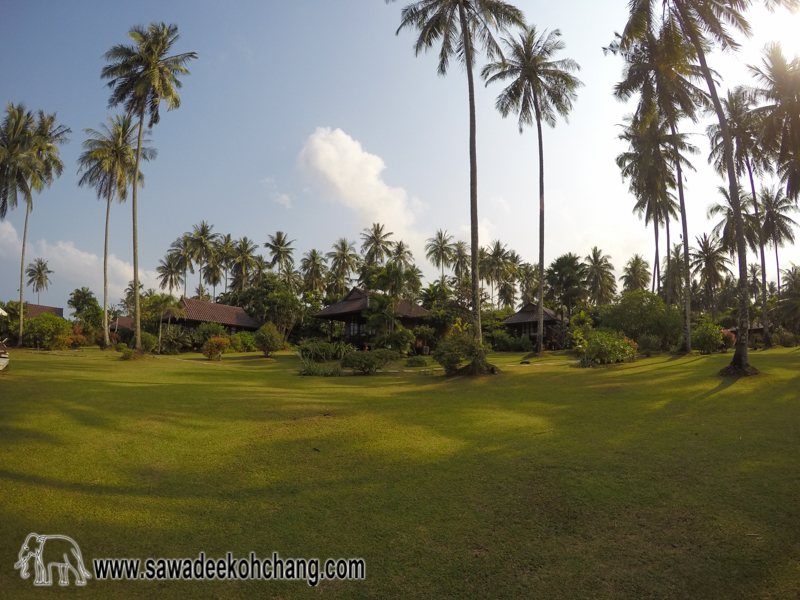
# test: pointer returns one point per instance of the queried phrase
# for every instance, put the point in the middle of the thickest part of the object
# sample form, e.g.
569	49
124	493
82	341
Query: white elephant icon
58	549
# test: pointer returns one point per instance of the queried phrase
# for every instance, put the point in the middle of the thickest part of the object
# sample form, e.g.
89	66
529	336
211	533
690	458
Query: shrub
205	332
128	354
649	344
785	338
728	340
367	362
244	341
417	361
603	348
756	341
120	347
268	340
76	340
309	368
113	338
707	337
214	347
315	350
174	339
457	348
502	341
401	340
46	331
641	313
149	341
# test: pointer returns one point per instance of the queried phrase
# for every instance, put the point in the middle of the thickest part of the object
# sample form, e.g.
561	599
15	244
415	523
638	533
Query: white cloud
349	175
10	243
501	203
283	200
486	232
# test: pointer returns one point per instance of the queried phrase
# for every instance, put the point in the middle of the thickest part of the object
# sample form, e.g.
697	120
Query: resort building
525	322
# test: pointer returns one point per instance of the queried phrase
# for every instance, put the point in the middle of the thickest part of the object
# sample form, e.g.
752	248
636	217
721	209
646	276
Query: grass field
653	479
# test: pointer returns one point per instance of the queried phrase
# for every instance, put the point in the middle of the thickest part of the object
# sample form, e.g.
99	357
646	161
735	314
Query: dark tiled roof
530	314
34	310
208	312
123	322
357	300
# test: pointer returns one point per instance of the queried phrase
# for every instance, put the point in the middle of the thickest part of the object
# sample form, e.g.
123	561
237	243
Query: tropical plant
636	274
47	331
711	264
401	255
108	163
243	263
459	25
313	268
565	280
202	243
440	250
777	224
37	273
461	260
600	281
181	249
344	261
280	251
376	245
141	76
268	339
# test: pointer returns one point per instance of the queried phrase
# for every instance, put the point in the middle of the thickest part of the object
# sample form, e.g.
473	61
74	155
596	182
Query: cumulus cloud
75	266
486	232
284	200
349	175
277	197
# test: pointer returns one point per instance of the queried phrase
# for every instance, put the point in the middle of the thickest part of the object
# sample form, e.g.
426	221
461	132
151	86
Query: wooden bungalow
525	322
233	318
350	310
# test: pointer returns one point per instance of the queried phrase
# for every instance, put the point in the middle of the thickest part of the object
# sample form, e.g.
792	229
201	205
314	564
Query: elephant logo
58	549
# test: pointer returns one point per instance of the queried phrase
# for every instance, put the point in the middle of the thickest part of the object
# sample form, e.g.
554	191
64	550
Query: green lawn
653	479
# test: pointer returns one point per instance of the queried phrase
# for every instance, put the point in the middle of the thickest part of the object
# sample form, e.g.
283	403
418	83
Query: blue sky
314	118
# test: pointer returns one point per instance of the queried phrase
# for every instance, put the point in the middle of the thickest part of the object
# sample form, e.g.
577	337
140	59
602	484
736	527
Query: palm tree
461	259
749	155
459	24
401	254
725	229
108	162
212	271
29	161
344	261
710	263
170	273
243	263
225	253
674	276
704	23
440	250
37	273
280	252
540	89
313	268
376	244
636	274
260	270
777	224
201	293
565	277
182	249
600	279
165	304
141	76
528	276
202	242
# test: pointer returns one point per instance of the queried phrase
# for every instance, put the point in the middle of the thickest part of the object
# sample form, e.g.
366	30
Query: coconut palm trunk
22	275
106	341
687	274
136	304
540	320
778	265
669	262
740	360
656	270
473	176
765	316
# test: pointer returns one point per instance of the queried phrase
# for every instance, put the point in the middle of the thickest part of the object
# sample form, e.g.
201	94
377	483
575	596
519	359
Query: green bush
782	337
128	354
244	341
47	331
76	340
215	347
603	348
459	347
707	337
502	341
316	350
649	344
149	342
309	368
120	347
756	341
367	362
268	340
174	340
417	361
641	313
205	332
401	340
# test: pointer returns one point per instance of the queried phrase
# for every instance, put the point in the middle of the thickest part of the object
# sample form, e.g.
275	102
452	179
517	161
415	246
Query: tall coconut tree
674	277
212	271
565	280
243	262
439	249
29	161
225	253
376	245
777	222
706	23
751	156
313	267
460	25
108	163
202	243
528	276
725	229
461	260
281	253
142	75
38	273
182	249
636	274
710	262
344	261
540	89
600	281
401	254
170	273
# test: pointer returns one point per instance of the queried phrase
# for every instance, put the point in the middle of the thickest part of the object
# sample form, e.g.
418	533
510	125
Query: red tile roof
124	322
530	314
34	310
357	300
208	312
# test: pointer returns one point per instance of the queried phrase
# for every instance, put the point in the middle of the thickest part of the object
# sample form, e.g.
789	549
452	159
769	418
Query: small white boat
4	359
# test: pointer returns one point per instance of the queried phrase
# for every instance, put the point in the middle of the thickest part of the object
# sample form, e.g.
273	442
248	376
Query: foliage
244	341
707	337
459	347
502	341
76	340
782	337
417	361
174	340
400	340
309	368
728	340
640	313
268	339
604	348
215	347
149	341
425	334
47	331
205	332
756	341
321	351
269	301
367	362
649	344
